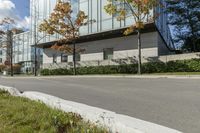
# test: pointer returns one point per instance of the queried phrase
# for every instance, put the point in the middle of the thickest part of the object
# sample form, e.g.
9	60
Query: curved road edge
115	122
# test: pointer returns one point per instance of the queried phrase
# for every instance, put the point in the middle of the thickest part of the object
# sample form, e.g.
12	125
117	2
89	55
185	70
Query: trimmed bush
154	67
192	65
59	71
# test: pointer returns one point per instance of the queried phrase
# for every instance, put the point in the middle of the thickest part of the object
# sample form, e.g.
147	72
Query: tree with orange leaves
63	22
140	10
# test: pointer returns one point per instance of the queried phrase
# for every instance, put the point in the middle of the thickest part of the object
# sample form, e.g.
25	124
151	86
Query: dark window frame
106	53
64	58
54	58
78	57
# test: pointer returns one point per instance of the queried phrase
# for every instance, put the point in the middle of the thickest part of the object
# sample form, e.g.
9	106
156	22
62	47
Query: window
84	7
64	57
1	52
78	57
54	58
0	60
106	19
108	53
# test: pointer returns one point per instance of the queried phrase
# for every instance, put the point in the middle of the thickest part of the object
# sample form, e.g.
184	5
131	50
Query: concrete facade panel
123	47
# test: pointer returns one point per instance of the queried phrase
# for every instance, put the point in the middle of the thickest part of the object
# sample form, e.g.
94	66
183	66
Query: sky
22	7
17	10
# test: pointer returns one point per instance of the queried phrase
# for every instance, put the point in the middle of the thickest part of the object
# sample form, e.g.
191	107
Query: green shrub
192	65
59	71
177	66
154	67
45	72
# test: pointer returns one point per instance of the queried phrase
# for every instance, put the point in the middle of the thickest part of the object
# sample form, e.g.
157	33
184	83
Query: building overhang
22	62
150	27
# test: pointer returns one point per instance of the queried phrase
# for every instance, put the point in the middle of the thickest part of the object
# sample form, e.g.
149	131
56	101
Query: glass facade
162	25
22	51
3	53
40	10
98	19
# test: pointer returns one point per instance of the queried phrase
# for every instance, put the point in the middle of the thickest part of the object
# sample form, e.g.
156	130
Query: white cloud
24	23
6	5
8	9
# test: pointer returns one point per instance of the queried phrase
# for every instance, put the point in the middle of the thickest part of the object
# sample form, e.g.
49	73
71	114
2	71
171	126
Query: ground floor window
54	58
64	57
0	60
78	57
108	53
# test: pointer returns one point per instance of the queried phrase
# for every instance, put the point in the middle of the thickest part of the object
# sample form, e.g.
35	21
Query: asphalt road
174	103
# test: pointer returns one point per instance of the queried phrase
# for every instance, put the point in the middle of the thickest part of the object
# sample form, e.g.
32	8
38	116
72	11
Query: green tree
140	10
184	15
63	21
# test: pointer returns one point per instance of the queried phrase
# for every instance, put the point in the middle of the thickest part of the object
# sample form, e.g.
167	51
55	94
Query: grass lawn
21	115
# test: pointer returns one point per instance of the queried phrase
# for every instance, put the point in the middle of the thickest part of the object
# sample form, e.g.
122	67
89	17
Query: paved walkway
174	103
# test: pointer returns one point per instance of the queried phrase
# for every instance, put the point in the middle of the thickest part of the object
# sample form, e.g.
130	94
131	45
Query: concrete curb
11	90
114	122
116	76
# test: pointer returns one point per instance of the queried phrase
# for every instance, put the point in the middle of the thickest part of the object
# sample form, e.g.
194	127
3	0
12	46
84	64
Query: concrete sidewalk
113	76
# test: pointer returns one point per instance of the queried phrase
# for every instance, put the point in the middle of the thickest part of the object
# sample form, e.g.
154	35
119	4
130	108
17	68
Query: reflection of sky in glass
74	4
94	9
21	47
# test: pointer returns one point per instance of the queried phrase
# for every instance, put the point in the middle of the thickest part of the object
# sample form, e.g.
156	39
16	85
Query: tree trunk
74	57
11	57
139	53
35	60
10	42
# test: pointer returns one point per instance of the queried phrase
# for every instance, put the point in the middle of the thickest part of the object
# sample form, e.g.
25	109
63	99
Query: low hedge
192	65
59	71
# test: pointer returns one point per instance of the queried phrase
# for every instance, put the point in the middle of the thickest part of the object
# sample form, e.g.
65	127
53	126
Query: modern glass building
102	38
22	51
99	20
3	50
2	56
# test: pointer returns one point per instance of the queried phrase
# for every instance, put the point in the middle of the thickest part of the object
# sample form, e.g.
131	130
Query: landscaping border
113	121
192	65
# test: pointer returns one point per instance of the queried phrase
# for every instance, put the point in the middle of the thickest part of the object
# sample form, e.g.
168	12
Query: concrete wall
48	56
125	52
179	57
123	47
130	60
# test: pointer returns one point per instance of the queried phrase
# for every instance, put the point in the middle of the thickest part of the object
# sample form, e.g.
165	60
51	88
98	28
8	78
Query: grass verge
21	115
